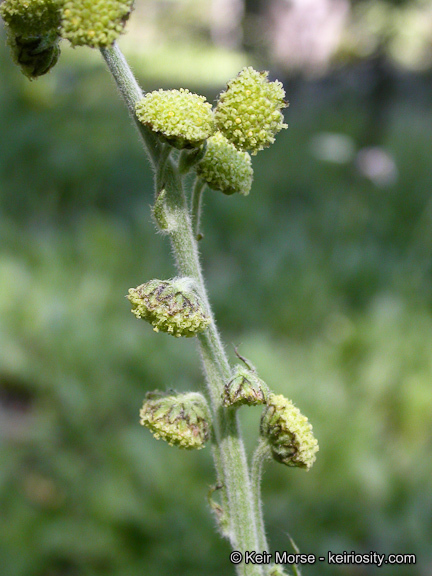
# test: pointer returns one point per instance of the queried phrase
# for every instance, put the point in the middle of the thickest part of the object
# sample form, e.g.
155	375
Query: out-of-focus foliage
307	37
401	30
322	275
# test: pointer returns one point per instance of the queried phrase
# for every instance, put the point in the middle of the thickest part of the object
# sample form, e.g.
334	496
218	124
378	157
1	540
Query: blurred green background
322	277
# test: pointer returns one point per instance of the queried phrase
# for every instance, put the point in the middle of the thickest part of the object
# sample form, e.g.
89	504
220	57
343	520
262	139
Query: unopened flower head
225	168
35	56
171	306
180	419
182	118
288	433
31	18
94	23
249	111
33	34
244	387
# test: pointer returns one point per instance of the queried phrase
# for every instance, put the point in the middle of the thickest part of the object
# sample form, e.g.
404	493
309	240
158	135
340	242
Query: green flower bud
244	387
94	23
181	118
171	306
249	111
31	18
32	32
180	419
35	56
225	168
288	433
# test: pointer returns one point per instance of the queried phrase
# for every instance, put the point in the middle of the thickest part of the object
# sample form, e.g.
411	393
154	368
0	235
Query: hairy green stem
261	454
196	203
131	94
230	456
234	474
234	470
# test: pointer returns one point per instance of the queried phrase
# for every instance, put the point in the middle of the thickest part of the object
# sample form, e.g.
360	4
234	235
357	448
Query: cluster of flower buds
288	433
35	28
171	306
182	420
246	119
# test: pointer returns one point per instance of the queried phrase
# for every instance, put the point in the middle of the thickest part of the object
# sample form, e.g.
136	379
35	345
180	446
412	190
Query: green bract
180	419
94	23
249	111
225	168
288	433
171	306
184	119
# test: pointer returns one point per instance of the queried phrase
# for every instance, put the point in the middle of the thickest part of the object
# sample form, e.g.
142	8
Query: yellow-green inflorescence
248	113
224	167
244	387
182	420
33	33
288	433
31	18
171	306
94	23
182	118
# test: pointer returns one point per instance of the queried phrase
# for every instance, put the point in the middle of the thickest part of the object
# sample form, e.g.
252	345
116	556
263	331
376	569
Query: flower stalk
230	460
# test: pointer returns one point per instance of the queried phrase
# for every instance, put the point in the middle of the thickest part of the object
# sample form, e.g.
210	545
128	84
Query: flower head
182	118
171	306
224	167
94	23
31	18
288	433
249	111
180	419
244	387
33	34
35	56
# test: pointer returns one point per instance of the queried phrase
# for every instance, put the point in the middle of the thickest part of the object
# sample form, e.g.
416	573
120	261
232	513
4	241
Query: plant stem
234	470
261	454
131	93
230	457
196	206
